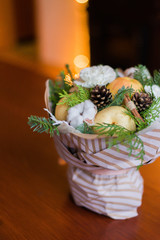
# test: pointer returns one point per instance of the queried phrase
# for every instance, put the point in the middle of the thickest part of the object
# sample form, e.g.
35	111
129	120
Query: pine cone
101	96
142	101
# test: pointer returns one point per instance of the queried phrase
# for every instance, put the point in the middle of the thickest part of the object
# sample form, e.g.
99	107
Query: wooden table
35	202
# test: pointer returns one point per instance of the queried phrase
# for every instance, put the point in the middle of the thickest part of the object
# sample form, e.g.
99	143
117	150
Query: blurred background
47	34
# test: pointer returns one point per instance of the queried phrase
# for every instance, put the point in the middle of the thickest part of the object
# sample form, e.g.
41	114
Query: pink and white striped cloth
105	180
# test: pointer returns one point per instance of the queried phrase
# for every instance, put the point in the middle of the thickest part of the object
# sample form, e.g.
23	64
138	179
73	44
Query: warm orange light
76	75
81	1
81	61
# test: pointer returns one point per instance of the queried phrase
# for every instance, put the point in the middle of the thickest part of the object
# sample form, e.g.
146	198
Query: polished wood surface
35	201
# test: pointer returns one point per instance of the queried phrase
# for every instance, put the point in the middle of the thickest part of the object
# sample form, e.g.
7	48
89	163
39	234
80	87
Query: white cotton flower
84	111
96	75
76	121
63	127
88	104
74	114
89	114
80	107
148	89
90	110
155	90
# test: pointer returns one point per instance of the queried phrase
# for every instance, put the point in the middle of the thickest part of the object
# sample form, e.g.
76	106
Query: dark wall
125	33
24	17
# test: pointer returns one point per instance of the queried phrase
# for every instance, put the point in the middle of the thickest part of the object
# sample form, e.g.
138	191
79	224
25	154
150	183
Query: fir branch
143	75
42	124
84	128
62	76
119	135
152	113
76	97
69	71
140	125
55	88
119	97
156	77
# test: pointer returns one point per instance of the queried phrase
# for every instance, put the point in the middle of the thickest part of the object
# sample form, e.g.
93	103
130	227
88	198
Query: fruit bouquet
105	124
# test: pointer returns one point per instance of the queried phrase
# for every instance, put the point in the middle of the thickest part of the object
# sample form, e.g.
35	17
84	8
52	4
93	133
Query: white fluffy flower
96	75
148	89
155	90
84	111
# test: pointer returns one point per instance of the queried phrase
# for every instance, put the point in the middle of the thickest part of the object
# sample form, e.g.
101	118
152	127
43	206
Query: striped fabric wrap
106	180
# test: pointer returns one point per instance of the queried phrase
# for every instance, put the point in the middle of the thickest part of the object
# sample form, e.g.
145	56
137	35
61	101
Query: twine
130	105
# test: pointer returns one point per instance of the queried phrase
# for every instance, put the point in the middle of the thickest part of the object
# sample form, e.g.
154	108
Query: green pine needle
143	75
152	113
42	124
119	97
139	123
84	128
76	97
156	77
69	71
57	86
121	135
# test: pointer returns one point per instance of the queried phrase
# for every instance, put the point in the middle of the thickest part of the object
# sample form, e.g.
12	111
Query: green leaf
42	124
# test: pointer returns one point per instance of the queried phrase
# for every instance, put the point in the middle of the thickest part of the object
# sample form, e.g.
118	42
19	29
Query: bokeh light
81	1
81	61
